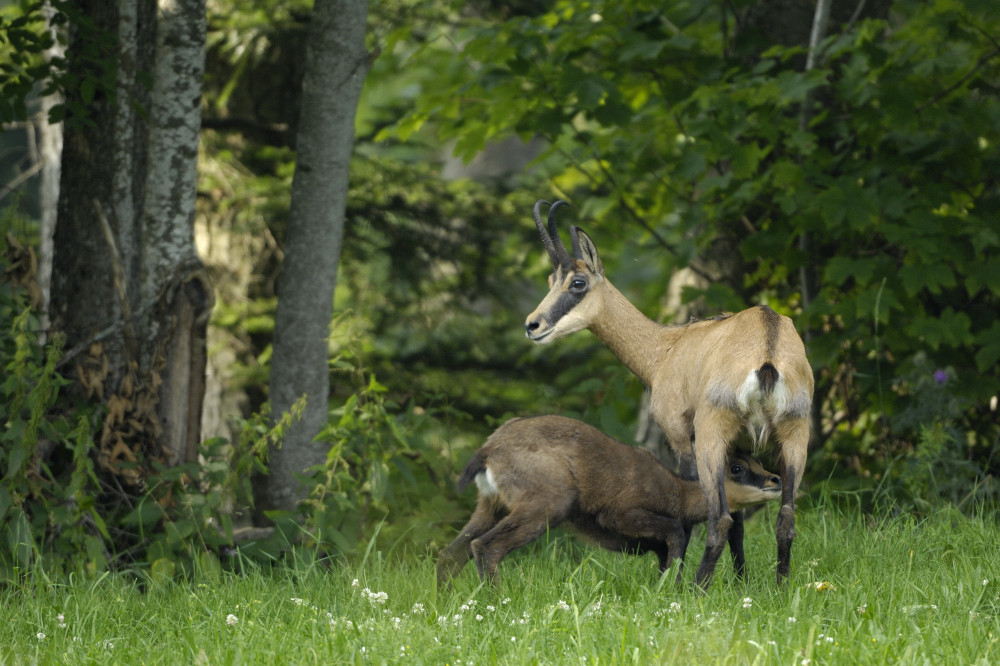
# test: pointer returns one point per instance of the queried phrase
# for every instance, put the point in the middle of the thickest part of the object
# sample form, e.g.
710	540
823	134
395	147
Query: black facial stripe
566	302
749	477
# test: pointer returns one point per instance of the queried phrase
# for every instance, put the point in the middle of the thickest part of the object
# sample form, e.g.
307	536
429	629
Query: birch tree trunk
336	65
50	153
128	289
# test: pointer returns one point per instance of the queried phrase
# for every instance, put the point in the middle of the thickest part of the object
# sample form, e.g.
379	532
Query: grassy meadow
863	591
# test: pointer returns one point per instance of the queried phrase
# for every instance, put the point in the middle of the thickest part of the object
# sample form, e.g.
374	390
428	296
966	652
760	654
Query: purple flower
940	376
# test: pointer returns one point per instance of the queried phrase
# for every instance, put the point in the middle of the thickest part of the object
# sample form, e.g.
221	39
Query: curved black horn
554	233
550	237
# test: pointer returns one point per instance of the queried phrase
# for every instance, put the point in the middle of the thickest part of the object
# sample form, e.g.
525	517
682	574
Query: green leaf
989	352
951	329
933	277
981	274
639	48
747	158
840	269
145	515
162	570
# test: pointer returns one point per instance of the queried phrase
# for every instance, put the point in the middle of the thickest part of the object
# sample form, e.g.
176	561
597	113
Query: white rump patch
485	483
758	408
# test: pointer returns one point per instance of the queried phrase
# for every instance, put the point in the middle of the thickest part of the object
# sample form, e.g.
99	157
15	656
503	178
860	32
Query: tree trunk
336	65
50	151
128	289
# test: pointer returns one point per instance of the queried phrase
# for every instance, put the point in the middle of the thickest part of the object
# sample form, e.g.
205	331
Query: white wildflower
562	605
479	618
231	619
418	608
792	620
40	636
354	583
297	601
747	602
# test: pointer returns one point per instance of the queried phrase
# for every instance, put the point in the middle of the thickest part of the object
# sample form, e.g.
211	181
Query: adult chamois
707	380
535	473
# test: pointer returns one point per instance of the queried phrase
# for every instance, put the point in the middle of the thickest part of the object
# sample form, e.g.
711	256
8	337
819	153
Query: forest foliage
859	197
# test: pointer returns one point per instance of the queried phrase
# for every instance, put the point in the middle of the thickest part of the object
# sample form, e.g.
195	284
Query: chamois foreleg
652	526
793	437
454	556
688	469
680	434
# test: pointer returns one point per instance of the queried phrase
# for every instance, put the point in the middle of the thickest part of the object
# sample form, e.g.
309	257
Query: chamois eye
736	469
578	284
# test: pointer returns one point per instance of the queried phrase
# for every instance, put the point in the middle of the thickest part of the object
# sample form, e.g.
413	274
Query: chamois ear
584	249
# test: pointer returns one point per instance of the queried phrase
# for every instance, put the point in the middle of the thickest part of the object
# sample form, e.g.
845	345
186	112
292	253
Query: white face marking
578	318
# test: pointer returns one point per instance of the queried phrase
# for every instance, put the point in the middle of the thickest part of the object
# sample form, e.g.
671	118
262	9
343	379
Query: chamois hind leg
687	467
520	527
714	429
452	559
793	437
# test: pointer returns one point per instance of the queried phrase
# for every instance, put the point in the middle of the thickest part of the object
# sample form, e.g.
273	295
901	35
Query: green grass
899	590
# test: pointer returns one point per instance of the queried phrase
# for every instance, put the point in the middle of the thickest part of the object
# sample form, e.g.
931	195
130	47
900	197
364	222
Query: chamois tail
767	377
475	465
760	398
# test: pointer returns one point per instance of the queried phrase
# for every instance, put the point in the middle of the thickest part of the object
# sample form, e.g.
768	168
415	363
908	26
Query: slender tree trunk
50	152
336	65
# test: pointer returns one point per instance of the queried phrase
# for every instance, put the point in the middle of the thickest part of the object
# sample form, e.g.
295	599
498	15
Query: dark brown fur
550	469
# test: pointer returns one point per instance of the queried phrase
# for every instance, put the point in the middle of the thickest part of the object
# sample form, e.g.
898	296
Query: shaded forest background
716	159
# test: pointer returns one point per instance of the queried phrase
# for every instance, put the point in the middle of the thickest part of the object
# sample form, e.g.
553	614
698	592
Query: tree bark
50	151
336	65
172	275
128	289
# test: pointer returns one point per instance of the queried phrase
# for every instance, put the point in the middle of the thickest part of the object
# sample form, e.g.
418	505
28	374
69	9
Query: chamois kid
708	380
535	473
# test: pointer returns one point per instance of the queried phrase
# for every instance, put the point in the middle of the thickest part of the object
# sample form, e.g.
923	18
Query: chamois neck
682	498
631	335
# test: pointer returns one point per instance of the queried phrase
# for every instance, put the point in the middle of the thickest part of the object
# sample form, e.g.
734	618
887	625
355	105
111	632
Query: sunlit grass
863	591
